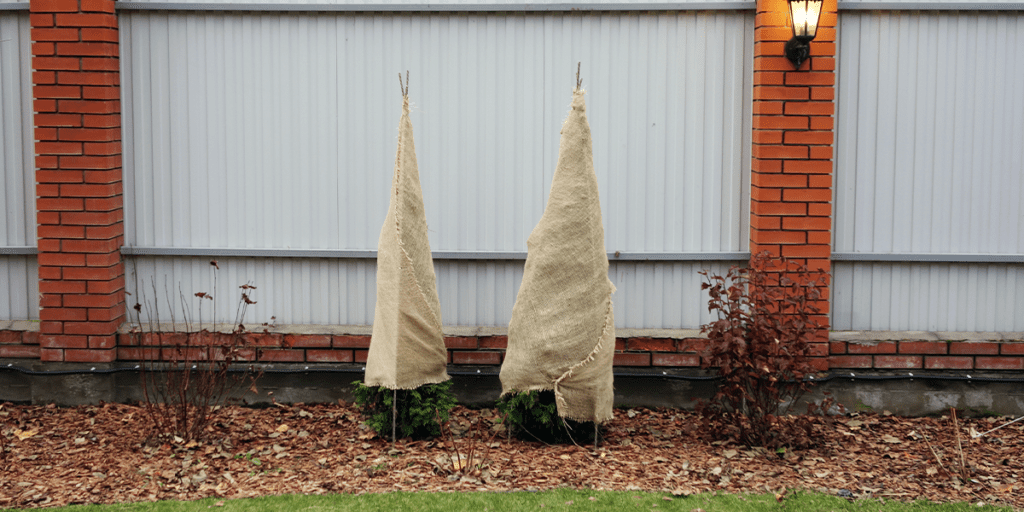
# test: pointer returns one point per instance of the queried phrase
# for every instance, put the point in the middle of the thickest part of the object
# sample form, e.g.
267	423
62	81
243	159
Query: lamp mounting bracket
797	51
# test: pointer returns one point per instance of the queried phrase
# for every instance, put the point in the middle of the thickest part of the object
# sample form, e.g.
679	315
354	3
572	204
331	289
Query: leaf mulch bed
104	454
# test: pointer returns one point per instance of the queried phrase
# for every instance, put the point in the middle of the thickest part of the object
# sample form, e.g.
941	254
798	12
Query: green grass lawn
562	499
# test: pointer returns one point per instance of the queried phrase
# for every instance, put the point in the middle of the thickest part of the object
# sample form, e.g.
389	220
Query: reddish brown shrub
761	347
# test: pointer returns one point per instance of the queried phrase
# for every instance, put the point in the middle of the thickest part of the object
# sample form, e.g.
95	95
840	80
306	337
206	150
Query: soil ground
107	453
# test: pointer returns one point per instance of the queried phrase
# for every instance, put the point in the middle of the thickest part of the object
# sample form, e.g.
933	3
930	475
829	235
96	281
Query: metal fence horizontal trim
928	258
438	7
18	250
931	6
437	255
565	7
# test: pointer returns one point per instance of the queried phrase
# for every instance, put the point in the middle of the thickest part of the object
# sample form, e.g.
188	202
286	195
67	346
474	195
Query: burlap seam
423	296
559	399
401	243
397	177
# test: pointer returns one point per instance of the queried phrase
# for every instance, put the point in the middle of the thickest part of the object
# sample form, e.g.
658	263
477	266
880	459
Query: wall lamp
804	14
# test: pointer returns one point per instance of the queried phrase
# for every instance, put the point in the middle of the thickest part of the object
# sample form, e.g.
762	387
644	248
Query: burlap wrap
407	348
562	333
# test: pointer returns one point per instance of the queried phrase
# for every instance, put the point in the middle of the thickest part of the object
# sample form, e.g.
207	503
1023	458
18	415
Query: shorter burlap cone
407	347
562	333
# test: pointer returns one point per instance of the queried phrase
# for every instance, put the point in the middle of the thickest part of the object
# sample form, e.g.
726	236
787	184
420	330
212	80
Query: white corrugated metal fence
273	131
277	131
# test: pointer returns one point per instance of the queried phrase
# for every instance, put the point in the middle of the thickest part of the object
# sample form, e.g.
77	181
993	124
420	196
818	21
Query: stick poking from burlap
407	347
562	333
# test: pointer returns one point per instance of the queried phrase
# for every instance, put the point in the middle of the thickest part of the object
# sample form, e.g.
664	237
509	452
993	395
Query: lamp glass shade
804	14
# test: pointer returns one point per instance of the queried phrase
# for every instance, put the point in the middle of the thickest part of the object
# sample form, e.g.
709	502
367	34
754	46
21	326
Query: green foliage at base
418	409
533	416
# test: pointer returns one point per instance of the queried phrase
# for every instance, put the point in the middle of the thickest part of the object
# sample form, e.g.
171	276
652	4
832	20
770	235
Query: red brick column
791	179
78	160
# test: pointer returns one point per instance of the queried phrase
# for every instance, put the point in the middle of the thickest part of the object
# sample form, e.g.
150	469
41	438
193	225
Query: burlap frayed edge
414	386
516	391
559	399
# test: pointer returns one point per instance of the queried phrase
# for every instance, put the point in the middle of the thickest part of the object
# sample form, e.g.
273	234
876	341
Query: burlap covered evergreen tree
407	347
562	333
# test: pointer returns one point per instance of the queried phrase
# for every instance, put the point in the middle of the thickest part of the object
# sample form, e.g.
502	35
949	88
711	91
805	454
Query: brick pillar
78	178
791	179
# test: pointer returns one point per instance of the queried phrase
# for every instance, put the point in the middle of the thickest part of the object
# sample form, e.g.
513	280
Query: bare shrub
186	375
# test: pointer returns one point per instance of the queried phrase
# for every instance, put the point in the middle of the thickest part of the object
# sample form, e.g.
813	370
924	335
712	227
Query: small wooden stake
394	403
404	88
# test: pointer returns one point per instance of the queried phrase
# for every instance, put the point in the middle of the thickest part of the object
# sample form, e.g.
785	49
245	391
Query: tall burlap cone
562	333
407	348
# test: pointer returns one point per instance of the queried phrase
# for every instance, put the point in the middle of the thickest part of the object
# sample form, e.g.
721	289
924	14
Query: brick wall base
629	352
467	350
19	344
883	355
928	355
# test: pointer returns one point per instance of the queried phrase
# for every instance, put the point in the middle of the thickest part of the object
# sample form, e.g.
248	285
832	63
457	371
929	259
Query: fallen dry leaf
23	435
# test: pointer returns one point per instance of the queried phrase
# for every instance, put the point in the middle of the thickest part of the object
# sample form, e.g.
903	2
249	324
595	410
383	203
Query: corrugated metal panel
929	160
662	296
343	292
278	130
16	143
929	131
648	295
18	274
928	297
19	288
295	291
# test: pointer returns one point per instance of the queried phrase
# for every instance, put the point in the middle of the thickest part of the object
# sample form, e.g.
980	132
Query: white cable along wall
271	130
930	165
